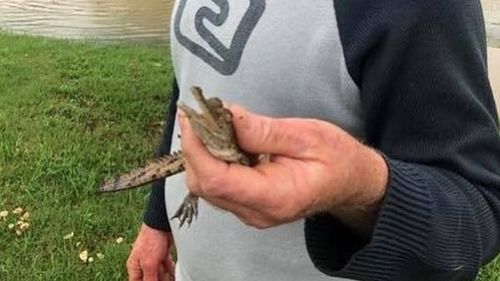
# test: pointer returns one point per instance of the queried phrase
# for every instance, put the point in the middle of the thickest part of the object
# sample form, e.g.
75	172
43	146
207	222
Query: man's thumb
265	135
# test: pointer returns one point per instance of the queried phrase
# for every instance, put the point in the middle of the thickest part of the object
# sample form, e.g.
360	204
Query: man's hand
150	259
314	166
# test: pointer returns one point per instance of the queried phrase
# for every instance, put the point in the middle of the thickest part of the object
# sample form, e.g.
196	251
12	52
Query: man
383	136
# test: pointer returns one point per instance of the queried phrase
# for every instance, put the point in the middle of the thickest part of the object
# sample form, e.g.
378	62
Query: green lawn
70	114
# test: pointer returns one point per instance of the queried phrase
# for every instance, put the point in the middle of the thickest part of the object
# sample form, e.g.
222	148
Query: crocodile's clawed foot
187	210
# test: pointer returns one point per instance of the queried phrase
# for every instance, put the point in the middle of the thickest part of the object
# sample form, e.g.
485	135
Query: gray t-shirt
277	58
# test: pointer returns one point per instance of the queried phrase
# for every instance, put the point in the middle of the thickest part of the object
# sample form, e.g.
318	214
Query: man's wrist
369	178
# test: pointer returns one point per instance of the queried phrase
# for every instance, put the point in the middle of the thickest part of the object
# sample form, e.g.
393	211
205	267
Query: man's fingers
134	269
134	274
246	214
168	277
264	135
165	276
151	272
242	186
169	265
151	276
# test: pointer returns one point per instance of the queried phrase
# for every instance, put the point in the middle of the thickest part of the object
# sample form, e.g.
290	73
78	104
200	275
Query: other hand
150	259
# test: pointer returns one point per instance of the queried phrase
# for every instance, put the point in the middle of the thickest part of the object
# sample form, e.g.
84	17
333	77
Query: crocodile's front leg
187	210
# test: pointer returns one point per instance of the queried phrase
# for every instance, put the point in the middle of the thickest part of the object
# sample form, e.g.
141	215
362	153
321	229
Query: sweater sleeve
428	107
156	211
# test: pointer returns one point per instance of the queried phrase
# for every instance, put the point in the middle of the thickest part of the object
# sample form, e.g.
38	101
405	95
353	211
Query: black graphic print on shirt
227	59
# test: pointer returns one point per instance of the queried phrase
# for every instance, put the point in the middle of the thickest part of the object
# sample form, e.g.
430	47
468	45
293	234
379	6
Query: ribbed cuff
156	211
401	232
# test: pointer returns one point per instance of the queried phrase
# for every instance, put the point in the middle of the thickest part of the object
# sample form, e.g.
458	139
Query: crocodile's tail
156	169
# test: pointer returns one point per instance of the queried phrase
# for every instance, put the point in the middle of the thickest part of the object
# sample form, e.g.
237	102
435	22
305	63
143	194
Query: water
115	20
129	20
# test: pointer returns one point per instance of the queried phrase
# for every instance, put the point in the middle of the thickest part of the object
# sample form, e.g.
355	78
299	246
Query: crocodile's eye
214	103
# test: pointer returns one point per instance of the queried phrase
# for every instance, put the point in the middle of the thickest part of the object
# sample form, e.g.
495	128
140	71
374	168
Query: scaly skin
214	128
161	167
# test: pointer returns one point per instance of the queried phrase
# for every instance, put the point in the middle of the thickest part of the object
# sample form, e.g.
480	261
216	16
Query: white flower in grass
4	214
91	260
25	216
119	240
24	226
84	256
99	256
18	210
69	236
11	226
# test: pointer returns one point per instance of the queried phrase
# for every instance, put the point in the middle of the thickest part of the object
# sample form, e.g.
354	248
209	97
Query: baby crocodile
214	127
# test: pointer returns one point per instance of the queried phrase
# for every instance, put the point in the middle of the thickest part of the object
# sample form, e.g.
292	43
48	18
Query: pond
130	20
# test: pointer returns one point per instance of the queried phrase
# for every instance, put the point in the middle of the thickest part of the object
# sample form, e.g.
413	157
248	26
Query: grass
71	114
490	272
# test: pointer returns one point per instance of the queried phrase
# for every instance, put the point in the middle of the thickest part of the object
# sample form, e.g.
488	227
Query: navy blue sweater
428	107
